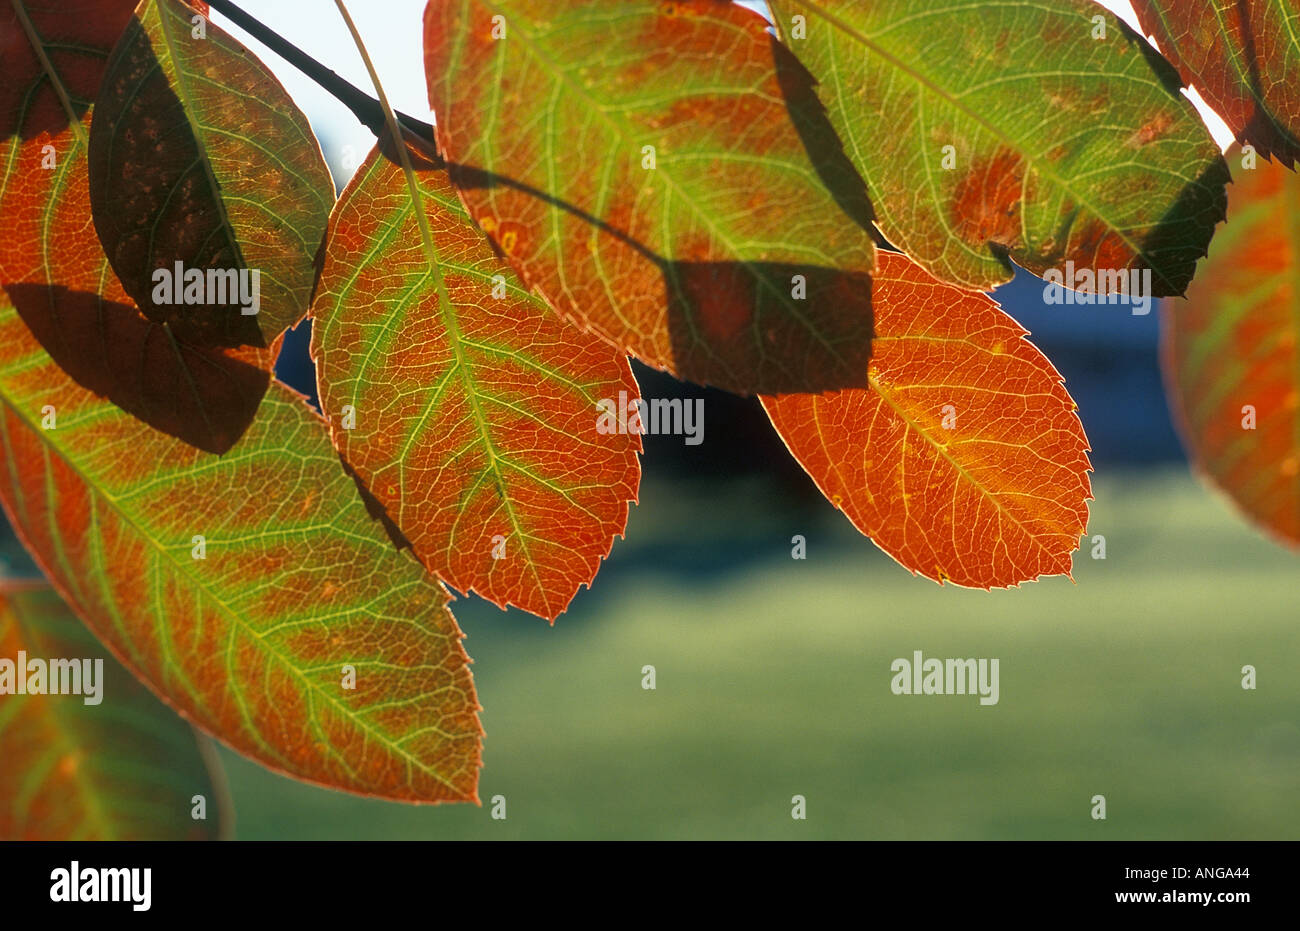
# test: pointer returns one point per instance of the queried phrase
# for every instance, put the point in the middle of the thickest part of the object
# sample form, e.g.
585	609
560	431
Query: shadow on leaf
203	396
754	327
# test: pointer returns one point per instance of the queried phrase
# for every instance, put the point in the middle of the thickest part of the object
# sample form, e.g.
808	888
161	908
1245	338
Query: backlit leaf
242	588
52	267
663	173
965	459
1231	363
125	768
1064	147
198	156
474	408
1243	56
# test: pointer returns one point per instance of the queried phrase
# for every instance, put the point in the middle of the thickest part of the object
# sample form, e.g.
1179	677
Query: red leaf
965	460
1232	367
1242	57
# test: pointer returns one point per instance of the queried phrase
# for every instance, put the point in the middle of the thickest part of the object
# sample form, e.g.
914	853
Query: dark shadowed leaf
199	157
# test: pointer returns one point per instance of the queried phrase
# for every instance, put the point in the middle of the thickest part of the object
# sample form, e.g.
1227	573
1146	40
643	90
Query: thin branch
364	107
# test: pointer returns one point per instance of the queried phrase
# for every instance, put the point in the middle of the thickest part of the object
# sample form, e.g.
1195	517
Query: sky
392	32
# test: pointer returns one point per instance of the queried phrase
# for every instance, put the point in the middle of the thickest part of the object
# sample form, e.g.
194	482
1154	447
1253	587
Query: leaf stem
365	108
390	119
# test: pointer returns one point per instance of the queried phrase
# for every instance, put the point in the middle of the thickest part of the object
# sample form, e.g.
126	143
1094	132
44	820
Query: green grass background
773	680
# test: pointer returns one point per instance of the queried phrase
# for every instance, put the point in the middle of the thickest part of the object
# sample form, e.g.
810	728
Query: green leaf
663	174
198	156
121	768
245	588
1012	128
474	408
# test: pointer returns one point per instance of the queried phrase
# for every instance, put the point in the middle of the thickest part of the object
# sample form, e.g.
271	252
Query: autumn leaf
199	157
1243	58
123	767
965	459
1006	128
663	174
1232	368
252	591
52	267
474	409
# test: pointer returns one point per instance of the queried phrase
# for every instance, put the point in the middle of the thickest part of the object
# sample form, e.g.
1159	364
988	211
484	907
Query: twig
364	107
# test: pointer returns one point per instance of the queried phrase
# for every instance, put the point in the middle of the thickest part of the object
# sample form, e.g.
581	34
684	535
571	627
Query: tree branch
364	107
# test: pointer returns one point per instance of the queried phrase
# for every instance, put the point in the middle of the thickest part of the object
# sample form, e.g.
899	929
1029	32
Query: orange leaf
251	591
474	407
664	175
1231	364
965	460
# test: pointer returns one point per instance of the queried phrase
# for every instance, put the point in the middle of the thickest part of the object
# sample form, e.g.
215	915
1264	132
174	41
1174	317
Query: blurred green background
773	680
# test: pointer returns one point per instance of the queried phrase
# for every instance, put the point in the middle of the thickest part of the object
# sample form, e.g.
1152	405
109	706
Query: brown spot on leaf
719	295
1102	247
1151	130
986	202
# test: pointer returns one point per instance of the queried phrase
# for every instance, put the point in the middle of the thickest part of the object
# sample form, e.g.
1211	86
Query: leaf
198	156
1230	358
965	460
253	641
1243	57
1065	148
124	768
741	259
51	265
475	407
